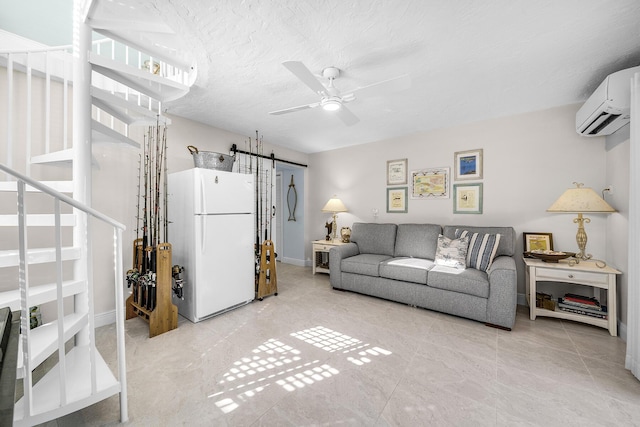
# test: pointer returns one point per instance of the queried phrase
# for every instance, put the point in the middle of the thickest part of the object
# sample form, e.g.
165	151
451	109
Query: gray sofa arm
503	292
336	255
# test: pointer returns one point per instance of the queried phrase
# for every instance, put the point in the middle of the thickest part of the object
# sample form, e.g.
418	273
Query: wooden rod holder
164	317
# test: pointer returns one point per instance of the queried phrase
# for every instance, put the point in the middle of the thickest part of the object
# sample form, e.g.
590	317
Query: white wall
618	175
529	160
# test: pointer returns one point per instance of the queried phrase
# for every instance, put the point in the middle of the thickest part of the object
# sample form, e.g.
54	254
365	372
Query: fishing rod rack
252	161
152	275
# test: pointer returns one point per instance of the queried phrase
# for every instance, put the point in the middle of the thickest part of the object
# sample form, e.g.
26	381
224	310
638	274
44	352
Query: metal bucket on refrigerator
211	159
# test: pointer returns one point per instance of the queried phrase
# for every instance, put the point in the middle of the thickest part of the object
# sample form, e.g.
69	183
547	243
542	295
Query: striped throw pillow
482	249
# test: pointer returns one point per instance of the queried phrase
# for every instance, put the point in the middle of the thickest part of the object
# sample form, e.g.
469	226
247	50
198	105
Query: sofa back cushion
374	238
417	240
507	244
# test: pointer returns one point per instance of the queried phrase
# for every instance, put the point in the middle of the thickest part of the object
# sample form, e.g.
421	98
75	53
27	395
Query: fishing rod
145	265
166	192
138	197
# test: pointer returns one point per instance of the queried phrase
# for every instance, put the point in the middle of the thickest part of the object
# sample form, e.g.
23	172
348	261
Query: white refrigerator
211	230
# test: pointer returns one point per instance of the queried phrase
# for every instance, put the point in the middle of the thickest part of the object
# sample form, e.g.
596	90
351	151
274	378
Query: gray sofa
396	262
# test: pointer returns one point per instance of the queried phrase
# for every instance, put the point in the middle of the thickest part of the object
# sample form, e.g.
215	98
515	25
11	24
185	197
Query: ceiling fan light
331	105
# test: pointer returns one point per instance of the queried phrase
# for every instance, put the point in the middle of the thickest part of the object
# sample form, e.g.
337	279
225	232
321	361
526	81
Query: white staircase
46	223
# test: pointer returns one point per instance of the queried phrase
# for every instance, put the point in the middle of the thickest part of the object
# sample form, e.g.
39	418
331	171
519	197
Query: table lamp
580	200
334	205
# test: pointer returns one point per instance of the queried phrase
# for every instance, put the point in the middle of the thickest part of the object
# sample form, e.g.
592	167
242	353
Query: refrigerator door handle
203	198
203	229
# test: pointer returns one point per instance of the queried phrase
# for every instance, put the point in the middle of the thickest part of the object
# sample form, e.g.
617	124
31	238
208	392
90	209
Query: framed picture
467	198
468	165
538	242
397	200
396	172
430	184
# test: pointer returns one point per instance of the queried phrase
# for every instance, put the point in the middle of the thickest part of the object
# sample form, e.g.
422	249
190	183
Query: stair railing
50	64
118	228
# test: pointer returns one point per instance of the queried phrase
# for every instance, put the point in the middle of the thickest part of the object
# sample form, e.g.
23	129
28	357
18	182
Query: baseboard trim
104	319
293	261
522	300
622	331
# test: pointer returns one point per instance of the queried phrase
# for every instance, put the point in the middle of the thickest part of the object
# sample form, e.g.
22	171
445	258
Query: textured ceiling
468	61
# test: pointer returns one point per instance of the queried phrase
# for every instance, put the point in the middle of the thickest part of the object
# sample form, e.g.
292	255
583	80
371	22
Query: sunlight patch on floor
275	362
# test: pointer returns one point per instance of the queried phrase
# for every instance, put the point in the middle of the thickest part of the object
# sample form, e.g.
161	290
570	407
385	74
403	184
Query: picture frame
396	172
537	241
467	198
397	200
468	165
430	184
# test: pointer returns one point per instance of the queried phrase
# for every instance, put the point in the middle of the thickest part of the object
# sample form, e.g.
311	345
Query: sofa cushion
406	269
452	252
507	244
469	281
366	264
417	240
374	238
482	249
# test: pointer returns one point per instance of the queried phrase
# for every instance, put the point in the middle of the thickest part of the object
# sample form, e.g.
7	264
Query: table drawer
552	274
321	247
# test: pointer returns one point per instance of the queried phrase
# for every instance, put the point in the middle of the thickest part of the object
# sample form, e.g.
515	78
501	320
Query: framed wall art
468	165
396	172
538	242
467	198
430	184
397	200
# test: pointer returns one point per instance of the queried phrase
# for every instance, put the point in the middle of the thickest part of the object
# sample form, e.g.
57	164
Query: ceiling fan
330	97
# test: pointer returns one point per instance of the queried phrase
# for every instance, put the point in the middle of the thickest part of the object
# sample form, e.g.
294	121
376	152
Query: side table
585	273
321	254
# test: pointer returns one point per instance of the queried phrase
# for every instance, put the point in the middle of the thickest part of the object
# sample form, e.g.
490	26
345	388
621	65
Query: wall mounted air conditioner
607	109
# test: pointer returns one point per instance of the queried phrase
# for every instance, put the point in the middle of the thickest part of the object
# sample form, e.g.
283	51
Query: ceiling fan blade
293	109
382	88
302	72
347	117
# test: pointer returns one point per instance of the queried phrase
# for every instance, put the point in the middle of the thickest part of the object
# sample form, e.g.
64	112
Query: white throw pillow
452	252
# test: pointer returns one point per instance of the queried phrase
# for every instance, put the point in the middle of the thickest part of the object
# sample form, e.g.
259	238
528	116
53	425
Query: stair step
101	134
38	220
44	339
46	400
41	294
10	258
62	156
126	111
157	87
61	186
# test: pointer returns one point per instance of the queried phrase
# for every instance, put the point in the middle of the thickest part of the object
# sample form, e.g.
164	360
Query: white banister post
82	182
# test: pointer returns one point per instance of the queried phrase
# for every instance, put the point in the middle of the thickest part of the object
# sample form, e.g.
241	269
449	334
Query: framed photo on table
396	172
397	200
538	242
468	165
430	184
467	198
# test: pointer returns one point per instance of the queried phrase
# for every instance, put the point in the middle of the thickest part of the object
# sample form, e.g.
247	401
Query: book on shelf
579	301
602	313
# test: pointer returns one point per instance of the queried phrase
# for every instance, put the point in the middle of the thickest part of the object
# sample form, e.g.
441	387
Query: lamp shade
580	199
334	205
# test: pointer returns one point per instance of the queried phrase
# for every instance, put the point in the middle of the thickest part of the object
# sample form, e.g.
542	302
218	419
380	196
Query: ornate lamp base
581	237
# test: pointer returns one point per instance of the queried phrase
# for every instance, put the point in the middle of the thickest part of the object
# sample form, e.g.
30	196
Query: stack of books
588	306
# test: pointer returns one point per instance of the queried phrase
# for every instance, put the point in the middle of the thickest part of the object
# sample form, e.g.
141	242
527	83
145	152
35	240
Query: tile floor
312	356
